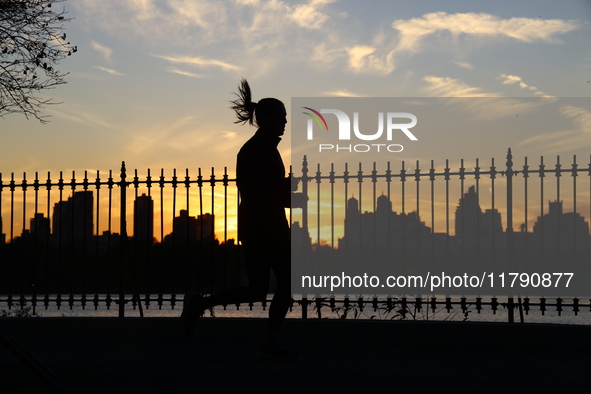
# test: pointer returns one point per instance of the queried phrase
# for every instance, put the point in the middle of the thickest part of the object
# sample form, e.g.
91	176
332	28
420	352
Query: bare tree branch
32	43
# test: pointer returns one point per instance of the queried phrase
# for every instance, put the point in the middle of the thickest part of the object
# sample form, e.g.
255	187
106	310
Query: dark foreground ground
151	355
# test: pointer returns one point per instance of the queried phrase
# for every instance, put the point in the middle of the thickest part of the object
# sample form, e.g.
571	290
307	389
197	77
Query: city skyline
78	222
468	222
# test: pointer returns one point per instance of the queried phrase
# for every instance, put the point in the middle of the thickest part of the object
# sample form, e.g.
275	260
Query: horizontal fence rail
111	241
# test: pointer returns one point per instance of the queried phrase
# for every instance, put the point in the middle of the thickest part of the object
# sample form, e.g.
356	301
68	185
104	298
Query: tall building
468	214
205	227
300	239
370	230
470	221
491	222
185	227
143	219
40	227
352	225
558	229
73	219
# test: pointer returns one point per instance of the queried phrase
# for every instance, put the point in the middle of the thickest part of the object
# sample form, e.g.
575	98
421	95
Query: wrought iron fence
67	241
524	223
86	254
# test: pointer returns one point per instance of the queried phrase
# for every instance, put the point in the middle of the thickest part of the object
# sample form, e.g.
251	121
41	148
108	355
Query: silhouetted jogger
263	228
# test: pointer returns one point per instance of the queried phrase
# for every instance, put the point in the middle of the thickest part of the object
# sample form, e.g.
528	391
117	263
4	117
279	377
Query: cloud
489	106
86	116
262	35
363	60
580	116
413	31
510	79
514	79
108	70
308	15
270	28
259	35
160	137
343	93
206	21
450	87
328	53
563	128
172	20
106	52
185	73
465	65
202	14
184	135
200	62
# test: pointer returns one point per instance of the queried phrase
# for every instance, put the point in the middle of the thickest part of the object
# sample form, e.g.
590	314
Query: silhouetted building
557	229
471	222
352	225
185	227
40	227
300	239
468	214
491	222
385	227
108	241
205	227
72	218
143	219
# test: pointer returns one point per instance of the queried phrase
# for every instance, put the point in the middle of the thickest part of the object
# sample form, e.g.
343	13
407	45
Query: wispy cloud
414	30
185	73
83	115
328	54
200	62
364	59
309	15
581	117
265	34
465	65
343	93
489	106
268	29
109	70
186	134
202	14
564	140
171	20
106	52
412	33
450	87
514	79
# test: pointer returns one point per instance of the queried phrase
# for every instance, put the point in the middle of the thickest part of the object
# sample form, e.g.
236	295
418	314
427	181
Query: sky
151	81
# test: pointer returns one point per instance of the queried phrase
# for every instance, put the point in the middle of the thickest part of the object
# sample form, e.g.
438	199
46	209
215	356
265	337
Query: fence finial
123	174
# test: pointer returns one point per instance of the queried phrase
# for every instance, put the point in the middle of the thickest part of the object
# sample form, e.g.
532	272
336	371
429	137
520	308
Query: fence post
123	239
305	224
510	239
